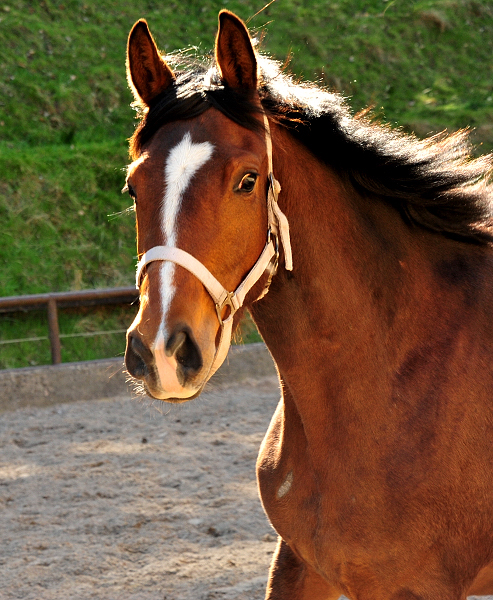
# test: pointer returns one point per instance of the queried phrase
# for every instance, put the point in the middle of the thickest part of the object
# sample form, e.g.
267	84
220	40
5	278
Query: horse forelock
435	183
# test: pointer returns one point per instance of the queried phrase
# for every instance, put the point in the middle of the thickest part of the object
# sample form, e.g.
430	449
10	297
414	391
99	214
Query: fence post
56	350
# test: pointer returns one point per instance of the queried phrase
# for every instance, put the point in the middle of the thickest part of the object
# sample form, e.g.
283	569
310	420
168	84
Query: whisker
124	212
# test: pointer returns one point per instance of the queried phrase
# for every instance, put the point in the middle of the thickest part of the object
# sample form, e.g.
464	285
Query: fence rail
53	301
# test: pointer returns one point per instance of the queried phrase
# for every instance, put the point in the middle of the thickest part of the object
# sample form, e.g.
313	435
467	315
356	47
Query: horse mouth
150	385
157	395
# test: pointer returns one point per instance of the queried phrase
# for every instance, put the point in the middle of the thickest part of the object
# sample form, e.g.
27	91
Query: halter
267	263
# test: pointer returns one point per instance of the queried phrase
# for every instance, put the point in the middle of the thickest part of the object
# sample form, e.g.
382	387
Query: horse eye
248	182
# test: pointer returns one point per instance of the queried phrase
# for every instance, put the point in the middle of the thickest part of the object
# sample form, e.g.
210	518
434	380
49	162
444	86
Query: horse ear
147	73
235	55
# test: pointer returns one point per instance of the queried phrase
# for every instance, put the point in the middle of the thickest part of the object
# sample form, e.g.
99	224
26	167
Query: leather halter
267	263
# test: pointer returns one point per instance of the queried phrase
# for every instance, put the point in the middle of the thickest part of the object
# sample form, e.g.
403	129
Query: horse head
206	210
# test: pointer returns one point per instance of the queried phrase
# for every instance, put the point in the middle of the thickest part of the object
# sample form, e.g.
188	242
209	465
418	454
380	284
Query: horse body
376	426
376	470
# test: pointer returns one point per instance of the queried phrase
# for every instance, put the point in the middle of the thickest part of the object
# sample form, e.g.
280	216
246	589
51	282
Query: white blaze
184	160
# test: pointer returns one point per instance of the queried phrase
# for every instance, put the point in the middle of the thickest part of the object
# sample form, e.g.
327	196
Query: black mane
434	183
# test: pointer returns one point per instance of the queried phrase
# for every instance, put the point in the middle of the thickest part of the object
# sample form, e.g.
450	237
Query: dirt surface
112	499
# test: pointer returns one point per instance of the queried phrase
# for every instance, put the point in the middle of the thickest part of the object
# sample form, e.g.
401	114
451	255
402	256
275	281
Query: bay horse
365	258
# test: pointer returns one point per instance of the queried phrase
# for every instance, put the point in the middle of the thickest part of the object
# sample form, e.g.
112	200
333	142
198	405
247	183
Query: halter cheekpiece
267	263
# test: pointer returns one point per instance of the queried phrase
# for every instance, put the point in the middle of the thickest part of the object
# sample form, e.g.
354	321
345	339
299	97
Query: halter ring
228	301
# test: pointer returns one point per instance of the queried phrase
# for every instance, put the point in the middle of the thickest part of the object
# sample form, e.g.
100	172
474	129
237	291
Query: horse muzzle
172	370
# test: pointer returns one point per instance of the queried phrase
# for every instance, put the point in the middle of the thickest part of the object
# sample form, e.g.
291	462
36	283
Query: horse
364	256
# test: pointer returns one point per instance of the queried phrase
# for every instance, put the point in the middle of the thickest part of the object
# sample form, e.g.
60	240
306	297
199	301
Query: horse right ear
148	73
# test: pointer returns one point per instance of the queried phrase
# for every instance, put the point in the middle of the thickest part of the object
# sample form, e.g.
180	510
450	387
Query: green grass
424	65
59	208
427	62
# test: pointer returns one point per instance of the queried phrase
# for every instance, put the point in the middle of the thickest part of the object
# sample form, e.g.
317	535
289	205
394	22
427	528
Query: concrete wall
93	380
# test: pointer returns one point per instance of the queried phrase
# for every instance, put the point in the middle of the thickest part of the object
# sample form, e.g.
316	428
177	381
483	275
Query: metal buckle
228	301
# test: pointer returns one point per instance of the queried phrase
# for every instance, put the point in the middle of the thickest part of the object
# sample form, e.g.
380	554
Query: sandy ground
114	500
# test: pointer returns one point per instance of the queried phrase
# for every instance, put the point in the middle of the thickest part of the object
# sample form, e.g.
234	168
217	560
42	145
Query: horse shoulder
287	481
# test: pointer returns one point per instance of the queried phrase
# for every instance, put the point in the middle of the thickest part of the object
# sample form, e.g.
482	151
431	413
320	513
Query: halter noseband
267	263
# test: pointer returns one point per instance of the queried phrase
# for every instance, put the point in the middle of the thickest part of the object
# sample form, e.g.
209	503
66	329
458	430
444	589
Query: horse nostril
186	352
137	357
174	343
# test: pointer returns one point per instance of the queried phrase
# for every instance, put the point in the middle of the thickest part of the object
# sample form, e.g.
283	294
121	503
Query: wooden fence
54	301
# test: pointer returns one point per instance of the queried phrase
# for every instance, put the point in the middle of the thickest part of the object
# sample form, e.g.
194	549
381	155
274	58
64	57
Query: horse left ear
235	55
147	73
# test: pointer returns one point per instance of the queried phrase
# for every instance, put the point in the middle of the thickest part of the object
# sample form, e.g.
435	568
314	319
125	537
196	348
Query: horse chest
323	512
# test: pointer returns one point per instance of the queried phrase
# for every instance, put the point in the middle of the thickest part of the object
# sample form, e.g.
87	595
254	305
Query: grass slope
62	77
64	112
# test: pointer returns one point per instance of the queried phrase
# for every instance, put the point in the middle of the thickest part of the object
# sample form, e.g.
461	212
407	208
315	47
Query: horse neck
354	280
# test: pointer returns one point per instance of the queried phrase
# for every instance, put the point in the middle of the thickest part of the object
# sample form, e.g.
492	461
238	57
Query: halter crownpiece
267	263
